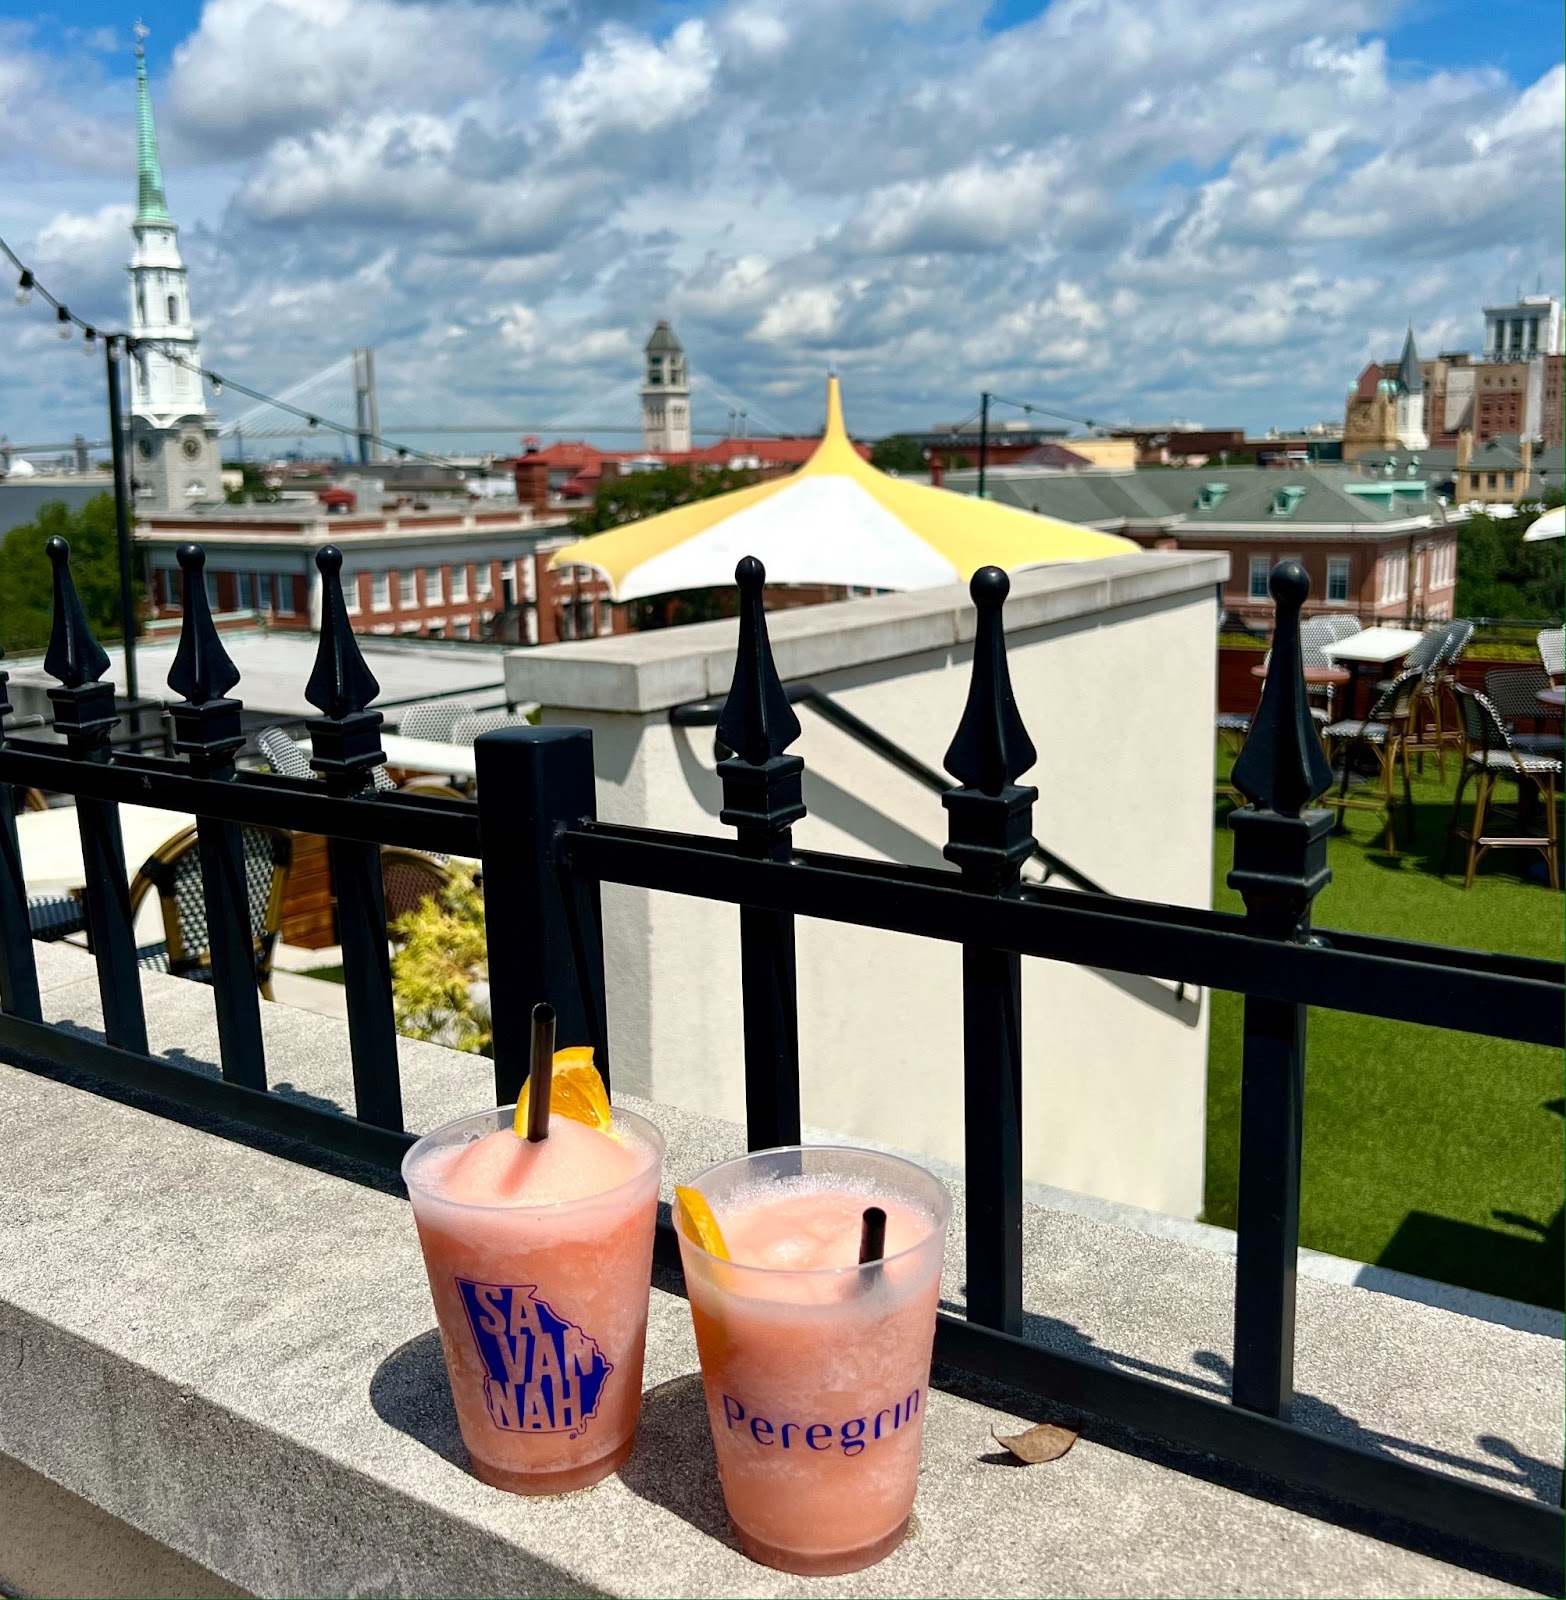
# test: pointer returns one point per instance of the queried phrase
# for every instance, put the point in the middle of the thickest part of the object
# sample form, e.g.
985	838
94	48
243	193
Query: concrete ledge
645	672
234	1354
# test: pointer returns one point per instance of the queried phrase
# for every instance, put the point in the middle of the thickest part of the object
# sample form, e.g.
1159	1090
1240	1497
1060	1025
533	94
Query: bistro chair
470	727
409	878
432	786
1320	713
1435	724
1552	652
1490	757
173	873
1374	747
1514	691
1233	729
283	755
28	800
434	722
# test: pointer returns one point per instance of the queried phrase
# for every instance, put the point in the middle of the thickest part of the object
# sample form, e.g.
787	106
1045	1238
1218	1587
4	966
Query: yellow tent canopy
837	521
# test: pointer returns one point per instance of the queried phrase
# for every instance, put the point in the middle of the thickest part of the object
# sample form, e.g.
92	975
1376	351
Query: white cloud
1116	206
628	84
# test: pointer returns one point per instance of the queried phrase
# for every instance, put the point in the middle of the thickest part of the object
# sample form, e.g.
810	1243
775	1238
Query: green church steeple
150	204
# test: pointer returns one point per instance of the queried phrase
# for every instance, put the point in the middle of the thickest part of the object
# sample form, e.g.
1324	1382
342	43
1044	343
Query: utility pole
984	437
113	346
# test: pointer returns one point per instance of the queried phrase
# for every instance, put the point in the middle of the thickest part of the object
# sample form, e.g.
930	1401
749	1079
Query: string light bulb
62	319
313	424
89	342
24	287
217	385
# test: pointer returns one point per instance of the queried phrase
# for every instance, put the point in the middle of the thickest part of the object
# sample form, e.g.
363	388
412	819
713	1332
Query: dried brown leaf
1049	1441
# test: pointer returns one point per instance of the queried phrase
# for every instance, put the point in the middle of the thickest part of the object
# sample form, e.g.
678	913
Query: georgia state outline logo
542	1373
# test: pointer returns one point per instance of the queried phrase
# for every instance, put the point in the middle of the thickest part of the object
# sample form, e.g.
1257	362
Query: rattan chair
1552	652
1514	692
1374	747
1490	756
28	800
1434	726
409	878
434	722
432	786
173	873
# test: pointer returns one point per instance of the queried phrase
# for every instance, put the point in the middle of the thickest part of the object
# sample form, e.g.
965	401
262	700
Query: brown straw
872	1236
540	1072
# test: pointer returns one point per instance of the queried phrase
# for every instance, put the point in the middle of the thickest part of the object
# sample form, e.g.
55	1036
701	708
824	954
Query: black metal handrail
705	714
544	856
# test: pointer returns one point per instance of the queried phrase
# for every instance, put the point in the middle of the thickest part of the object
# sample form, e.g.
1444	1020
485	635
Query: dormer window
1285	500
1210	496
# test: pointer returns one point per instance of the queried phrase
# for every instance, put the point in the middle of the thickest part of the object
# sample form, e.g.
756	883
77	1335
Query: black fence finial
991	749
1282	767
74	656
202	669
757	723
341	685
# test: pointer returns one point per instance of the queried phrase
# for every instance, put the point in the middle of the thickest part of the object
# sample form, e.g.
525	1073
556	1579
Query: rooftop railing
544	857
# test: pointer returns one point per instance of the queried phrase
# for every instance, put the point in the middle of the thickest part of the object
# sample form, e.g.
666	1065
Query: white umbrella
1552	525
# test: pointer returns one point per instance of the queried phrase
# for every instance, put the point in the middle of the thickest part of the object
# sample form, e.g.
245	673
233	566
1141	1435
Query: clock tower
175	461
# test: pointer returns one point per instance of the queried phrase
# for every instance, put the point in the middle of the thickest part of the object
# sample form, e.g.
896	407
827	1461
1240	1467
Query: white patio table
1372	647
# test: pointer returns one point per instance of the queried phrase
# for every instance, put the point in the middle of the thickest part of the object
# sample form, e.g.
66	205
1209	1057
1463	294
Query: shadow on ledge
411	1393
673	1464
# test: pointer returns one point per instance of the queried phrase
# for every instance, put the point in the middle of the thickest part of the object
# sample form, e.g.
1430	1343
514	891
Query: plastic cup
817	1379
542	1312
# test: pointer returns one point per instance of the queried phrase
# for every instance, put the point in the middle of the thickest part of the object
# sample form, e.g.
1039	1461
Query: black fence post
345	748
989	836
1280	865
207	730
762	799
543	924
18	970
85	717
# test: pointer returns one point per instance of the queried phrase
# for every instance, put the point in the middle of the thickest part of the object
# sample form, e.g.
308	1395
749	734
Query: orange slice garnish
697	1222
575	1091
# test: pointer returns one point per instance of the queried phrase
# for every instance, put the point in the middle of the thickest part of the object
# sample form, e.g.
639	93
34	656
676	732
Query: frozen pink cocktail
817	1369
539	1259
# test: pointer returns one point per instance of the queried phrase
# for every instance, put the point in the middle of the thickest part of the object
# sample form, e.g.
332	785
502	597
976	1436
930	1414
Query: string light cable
116	343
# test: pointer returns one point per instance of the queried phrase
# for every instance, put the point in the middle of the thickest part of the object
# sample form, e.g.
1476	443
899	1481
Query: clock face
144	449
192	449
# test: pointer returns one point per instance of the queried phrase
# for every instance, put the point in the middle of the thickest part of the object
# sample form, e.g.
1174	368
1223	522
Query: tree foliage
440	971
26	581
254	488
645	494
1498	575
899	452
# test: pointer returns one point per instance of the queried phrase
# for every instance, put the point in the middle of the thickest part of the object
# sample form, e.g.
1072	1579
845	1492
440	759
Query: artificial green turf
1427	1151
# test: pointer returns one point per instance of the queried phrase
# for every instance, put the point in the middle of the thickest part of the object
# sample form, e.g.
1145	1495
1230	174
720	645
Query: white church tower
175	460
1409	389
666	395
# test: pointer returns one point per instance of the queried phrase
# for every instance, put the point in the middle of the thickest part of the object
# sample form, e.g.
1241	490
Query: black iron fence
544	857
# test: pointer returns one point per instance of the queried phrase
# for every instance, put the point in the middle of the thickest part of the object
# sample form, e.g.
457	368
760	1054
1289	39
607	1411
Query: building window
1490	480
459	582
1337	577
244	597
283	594
173	308
1260	567
1393	584
432	586
212	592
408	589
437	630
528	569
484	587
380	591
462	629
351	592
1510	480
605	617
530	626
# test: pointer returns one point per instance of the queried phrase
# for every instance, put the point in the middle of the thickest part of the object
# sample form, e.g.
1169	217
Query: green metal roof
663	341
150	204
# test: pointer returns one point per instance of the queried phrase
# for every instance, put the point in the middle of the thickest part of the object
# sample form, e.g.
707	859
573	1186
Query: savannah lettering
850	1437
542	1373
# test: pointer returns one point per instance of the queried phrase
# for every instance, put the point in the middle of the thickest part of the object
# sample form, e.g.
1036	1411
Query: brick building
1380	548
462	574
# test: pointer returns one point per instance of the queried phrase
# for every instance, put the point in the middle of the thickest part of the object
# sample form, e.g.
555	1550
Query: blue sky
1144	209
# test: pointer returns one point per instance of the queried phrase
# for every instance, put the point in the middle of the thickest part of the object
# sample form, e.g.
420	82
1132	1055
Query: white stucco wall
1114	667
